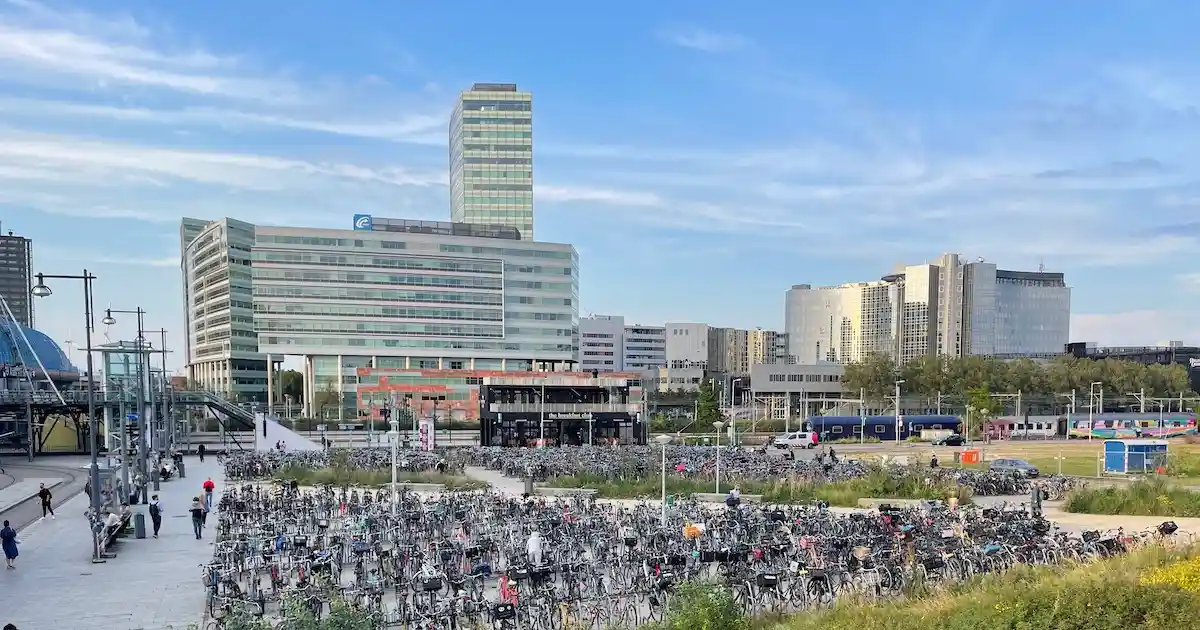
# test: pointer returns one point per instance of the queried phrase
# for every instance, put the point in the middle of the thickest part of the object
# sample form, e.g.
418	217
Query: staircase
230	415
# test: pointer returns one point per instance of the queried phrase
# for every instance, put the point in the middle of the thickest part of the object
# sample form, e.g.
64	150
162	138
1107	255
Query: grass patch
1150	497
341	477
1154	589
876	485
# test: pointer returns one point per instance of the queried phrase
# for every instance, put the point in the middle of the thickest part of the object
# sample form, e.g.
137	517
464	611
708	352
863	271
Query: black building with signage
561	409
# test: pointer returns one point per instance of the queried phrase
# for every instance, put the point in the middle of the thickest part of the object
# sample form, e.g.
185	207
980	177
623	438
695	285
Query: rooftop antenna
1041	266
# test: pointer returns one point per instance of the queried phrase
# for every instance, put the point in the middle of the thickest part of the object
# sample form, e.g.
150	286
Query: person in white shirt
535	548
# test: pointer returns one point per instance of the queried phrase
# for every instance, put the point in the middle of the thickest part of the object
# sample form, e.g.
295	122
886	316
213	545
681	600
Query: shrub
1150	497
1115	594
702	607
877	484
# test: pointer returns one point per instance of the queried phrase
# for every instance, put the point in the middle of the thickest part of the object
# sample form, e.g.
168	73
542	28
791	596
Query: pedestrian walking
200	451
209	486
197	517
8	540
155	514
45	496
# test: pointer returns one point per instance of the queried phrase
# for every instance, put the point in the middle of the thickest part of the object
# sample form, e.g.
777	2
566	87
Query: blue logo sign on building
362	222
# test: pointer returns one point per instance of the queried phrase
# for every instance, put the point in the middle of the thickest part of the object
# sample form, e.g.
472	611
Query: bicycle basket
932	564
767	580
299	541
473	552
430	585
707	555
677	560
630	542
777	516
1168	528
540	574
721	555
504	612
518	574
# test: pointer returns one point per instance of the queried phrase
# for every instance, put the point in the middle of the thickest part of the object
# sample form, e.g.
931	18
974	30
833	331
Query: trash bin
957	457
529	486
179	467
139	525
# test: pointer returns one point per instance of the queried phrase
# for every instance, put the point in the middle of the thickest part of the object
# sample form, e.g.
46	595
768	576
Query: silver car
1014	467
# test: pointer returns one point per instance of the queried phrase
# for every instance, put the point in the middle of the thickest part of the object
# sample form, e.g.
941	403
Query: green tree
708	410
956	376
325	397
292	384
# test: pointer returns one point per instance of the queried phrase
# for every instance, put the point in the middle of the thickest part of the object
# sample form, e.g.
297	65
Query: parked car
1014	466
954	439
797	439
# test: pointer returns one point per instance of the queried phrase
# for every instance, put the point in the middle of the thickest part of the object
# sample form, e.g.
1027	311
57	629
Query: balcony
565	408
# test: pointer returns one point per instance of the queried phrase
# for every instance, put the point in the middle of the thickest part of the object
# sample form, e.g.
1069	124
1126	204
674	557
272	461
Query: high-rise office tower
491	157
16	262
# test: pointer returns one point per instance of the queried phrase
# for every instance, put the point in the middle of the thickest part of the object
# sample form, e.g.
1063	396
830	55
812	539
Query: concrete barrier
420	487
873	504
564	492
712	497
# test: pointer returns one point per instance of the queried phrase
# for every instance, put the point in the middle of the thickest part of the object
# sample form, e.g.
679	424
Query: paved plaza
152	584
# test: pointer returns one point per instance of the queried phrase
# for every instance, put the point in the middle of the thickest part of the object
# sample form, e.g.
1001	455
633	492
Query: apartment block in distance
382	293
491	157
16	277
608	344
946	307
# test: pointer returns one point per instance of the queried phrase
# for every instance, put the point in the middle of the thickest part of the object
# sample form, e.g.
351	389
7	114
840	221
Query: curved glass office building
386	293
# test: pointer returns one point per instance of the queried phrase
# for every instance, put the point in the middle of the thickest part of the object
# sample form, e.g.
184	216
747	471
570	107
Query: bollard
529	486
179	467
139	525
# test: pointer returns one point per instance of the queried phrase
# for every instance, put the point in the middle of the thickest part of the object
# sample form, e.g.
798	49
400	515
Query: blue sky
702	156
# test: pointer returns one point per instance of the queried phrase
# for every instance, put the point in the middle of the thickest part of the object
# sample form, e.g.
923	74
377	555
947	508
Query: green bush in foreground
1151	497
1109	595
341	477
878	484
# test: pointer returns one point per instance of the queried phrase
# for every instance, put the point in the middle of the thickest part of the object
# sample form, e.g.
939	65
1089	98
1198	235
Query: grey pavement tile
152	584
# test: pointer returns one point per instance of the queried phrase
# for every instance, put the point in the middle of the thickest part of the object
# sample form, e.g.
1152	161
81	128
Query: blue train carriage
1129	426
831	428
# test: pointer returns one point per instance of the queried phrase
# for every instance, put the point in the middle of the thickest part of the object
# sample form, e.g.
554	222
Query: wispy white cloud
704	40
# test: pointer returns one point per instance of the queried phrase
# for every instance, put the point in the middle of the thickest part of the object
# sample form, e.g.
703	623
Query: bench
110	536
712	497
547	491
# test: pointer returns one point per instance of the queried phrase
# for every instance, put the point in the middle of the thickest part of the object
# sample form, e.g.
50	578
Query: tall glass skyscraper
491	157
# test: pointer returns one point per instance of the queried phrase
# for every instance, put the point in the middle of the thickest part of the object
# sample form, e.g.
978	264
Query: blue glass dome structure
15	351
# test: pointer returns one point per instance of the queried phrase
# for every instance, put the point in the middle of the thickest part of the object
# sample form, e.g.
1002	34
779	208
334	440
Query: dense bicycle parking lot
483	559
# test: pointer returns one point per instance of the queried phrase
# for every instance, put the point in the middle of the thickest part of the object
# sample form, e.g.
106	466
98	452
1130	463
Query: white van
796	439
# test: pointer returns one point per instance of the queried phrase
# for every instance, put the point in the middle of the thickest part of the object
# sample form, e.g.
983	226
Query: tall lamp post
393	437
143	420
899	422
967	426
40	290
718	425
664	440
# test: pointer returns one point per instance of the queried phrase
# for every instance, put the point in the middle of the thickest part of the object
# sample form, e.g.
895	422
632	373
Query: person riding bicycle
734	498
535	548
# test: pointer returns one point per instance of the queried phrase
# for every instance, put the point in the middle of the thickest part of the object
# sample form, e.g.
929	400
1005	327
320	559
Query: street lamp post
718	425
1092	406
143	421
663	441
967	426
40	290
393	436
898	420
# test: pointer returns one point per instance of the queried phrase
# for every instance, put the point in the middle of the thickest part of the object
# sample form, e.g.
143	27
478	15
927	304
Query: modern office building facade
762	346
388	293
601	343
947	308
608	344
16	277
491	157
645	347
729	350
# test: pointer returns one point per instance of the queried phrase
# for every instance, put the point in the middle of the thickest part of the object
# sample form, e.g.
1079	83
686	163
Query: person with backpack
155	514
200	451
208	486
